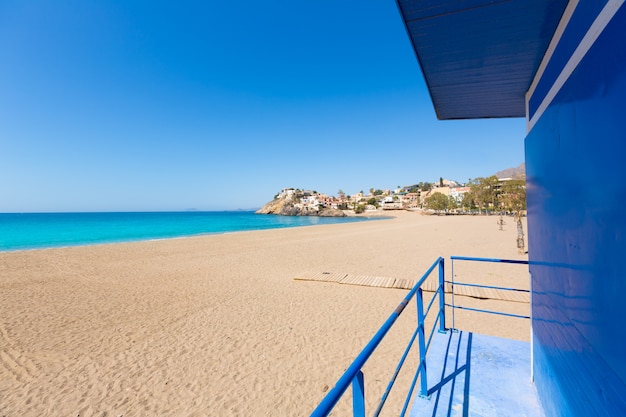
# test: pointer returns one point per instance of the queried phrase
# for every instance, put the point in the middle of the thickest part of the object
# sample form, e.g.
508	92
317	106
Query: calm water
46	230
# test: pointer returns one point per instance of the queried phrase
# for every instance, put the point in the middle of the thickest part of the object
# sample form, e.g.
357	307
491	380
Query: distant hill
515	173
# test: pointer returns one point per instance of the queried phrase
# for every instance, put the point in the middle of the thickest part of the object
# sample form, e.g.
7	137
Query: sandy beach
217	325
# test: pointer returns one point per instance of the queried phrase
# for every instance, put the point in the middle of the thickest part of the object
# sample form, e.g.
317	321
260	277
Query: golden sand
217	326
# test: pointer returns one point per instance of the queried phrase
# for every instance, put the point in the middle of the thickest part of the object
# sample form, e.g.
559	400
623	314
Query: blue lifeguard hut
561	65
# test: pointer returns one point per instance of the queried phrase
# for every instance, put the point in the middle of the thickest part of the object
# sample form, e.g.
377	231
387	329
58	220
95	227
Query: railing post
453	307
422	344
353	376
442	297
358	395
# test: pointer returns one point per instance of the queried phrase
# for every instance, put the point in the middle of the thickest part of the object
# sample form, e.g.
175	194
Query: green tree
425	186
513	195
485	192
467	203
438	202
373	202
452	203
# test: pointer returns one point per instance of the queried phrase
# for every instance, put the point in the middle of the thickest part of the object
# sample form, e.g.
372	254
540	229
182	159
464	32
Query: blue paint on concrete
575	161
583	17
476	375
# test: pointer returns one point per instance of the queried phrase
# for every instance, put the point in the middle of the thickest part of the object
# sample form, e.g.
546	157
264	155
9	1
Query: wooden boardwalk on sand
406	284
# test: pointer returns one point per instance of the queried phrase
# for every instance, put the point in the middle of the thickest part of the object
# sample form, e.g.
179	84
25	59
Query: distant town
490	194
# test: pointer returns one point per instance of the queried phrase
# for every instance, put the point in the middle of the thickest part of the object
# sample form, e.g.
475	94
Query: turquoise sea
48	230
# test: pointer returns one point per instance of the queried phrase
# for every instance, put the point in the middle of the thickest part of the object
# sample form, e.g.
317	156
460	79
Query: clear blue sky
161	105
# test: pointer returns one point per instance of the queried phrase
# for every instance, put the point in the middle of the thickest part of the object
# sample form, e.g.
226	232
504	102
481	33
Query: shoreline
182	236
216	324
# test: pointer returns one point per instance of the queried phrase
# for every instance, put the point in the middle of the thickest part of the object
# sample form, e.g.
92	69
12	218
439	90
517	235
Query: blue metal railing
452	282
354	375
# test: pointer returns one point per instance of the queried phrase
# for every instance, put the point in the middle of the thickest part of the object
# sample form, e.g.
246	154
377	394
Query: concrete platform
476	375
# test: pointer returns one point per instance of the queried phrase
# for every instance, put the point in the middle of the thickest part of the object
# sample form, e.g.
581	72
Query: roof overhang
479	57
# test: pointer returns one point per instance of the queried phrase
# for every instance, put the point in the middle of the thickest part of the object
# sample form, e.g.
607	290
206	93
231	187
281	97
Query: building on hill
286	192
447	183
458	192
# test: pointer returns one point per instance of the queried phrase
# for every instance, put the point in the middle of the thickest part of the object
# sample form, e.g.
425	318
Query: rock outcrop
331	212
276	206
290	206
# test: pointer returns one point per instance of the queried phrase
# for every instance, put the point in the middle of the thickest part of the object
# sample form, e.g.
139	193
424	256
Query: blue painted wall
576	178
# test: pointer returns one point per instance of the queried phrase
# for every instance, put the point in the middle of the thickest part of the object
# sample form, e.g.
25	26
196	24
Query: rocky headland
292	205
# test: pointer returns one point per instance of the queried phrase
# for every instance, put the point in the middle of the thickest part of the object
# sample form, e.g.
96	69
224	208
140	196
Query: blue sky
155	105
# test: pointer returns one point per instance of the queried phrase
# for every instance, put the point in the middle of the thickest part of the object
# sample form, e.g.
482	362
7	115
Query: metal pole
442	295
452	293
422	343
358	395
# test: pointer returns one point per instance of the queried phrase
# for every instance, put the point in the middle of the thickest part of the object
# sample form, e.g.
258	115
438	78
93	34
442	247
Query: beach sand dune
216	325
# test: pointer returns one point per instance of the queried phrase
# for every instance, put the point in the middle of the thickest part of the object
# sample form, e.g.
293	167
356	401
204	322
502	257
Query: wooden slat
347	280
405	284
378	282
429	285
360	280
